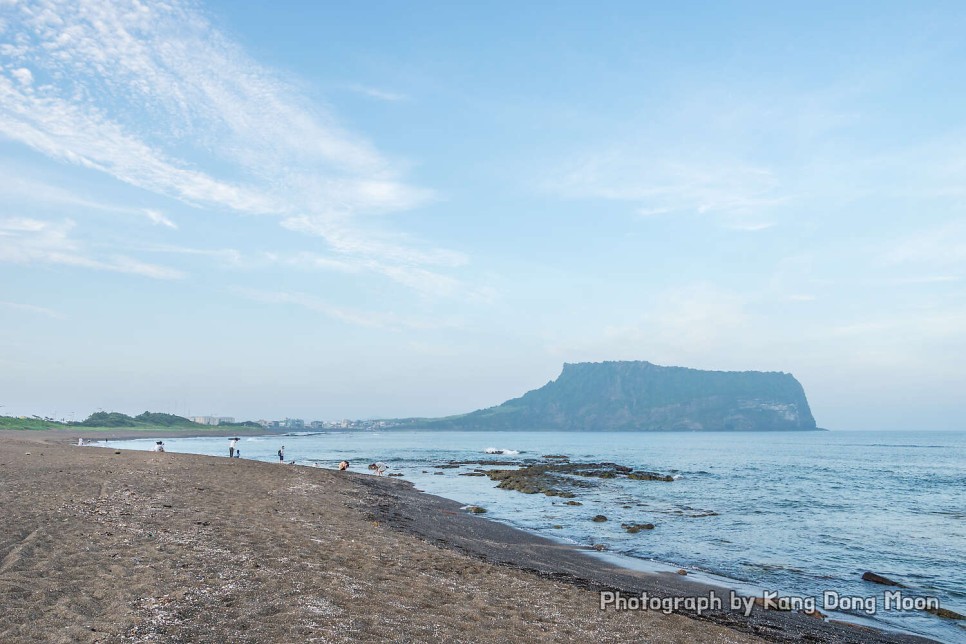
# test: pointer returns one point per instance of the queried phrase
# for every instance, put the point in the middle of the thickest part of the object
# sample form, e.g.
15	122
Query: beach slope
101	546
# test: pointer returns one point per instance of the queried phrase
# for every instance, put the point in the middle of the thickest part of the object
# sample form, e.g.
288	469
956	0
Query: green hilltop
115	420
147	419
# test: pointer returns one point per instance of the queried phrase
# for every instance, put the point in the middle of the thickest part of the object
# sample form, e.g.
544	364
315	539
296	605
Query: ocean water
802	513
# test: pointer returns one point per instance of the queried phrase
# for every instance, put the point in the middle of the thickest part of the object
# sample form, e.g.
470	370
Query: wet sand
143	547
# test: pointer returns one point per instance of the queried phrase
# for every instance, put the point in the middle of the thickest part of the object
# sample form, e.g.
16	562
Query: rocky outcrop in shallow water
561	478
879	579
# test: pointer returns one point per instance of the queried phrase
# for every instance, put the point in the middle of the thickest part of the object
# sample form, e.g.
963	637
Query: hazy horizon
422	209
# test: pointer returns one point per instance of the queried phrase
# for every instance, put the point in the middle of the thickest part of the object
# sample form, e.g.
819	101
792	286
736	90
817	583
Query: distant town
298	424
106	420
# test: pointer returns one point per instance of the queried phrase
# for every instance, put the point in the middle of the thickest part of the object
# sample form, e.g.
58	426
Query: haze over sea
801	513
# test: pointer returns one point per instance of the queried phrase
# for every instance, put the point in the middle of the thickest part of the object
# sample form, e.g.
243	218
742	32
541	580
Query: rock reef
560	477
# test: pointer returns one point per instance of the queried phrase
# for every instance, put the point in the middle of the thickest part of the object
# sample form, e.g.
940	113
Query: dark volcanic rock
879	579
650	476
553	478
600	518
945	612
634	528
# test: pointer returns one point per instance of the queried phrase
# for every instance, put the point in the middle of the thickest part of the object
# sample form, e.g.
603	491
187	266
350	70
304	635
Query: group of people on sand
234	452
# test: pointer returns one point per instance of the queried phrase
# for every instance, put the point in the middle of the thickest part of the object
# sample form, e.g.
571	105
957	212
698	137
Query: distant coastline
631	396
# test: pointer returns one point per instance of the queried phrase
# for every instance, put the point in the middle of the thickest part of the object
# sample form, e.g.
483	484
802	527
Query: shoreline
389	507
441	521
587	567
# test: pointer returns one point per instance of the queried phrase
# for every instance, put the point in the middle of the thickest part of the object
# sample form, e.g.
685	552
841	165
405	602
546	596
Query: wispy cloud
694	320
379	94
369	319
157	217
411	275
938	245
33	241
14	186
228	256
220	131
751	227
740	192
32	308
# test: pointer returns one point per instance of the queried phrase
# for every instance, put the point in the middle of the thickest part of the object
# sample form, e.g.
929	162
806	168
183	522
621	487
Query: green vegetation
147	419
164	420
116	420
10	422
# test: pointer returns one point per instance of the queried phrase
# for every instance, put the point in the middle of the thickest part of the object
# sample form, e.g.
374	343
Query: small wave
505	452
891	445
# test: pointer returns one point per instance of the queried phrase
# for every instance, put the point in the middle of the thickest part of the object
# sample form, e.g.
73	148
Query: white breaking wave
496	450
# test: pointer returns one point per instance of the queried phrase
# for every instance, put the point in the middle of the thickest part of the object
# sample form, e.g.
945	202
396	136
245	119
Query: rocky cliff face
643	396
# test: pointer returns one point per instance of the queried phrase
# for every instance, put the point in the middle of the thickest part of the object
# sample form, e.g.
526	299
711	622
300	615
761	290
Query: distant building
213	420
293	423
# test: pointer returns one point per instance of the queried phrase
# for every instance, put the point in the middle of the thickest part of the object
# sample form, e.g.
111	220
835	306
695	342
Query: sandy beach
100	546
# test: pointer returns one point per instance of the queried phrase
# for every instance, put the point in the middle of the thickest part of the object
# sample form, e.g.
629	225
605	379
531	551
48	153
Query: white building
213	420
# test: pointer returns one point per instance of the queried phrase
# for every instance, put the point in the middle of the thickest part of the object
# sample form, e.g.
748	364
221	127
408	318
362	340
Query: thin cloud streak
34	192
33	241
422	281
32	308
158	218
386	321
733	190
380	94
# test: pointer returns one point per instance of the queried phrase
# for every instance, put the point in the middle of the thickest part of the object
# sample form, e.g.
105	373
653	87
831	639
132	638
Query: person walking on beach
231	447
281	454
343	466
158	447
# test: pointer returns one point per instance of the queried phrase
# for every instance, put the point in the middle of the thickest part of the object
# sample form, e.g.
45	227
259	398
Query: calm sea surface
800	513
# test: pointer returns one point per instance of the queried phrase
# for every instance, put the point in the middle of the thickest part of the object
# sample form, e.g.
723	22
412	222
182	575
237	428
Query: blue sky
329	210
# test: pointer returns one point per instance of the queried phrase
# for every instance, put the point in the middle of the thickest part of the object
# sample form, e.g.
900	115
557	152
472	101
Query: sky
389	209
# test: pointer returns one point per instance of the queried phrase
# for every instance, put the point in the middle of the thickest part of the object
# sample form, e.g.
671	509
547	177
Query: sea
801	514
